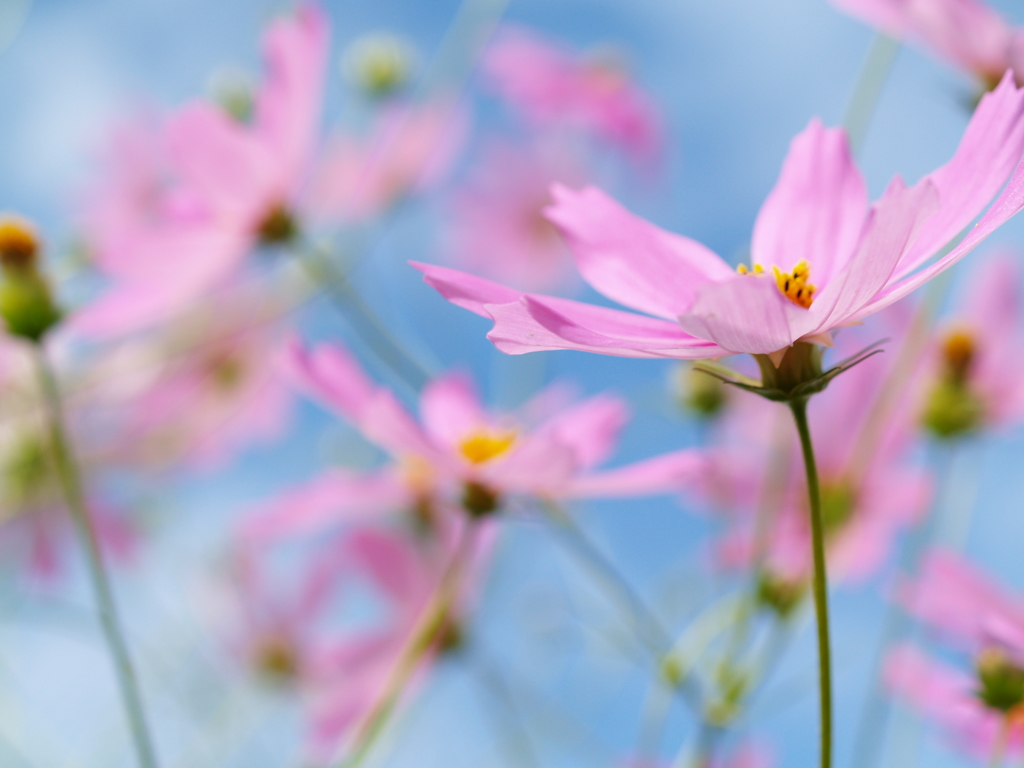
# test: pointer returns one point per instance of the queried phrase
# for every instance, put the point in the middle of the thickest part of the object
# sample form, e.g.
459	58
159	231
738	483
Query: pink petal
630	260
330	374
892	225
744	314
289	102
450	409
528	323
988	153
816	210
334	498
670	473
590	428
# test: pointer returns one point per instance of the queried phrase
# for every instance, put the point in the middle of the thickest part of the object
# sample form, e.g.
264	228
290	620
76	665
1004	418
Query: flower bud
779	594
233	90
952	410
278	227
379	65
700	392
26	302
1002	682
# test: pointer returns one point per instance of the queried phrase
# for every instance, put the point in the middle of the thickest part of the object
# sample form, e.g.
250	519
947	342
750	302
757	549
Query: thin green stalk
363	319
820	583
649	629
70	480
424	638
868	89
998	756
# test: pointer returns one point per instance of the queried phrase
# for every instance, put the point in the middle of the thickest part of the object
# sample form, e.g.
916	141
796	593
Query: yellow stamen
483	446
743	270
794	285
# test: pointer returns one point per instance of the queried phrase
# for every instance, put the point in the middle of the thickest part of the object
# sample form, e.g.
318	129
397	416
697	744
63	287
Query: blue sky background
736	79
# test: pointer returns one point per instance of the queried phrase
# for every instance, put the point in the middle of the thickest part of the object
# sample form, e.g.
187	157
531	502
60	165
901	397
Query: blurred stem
877	706
70	480
870	83
363	320
1002	740
649	629
820	582
424	637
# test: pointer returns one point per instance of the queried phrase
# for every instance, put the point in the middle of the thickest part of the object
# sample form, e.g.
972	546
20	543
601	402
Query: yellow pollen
743	270
794	285
483	446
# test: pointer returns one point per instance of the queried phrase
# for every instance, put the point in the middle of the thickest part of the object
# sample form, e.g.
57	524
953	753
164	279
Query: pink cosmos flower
209	188
300	636
974	377
457	444
410	148
205	385
867	497
966	33
496	225
552	85
835	260
980	618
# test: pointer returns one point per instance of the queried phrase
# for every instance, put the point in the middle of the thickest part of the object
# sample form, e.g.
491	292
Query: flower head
827	259
551	85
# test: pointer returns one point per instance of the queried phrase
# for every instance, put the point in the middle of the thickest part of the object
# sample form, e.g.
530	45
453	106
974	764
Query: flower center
793	285
1001	681
482	446
277	659
277	227
958	351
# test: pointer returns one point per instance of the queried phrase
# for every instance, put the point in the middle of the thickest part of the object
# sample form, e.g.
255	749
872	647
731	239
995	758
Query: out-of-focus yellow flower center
793	285
958	350
417	473
18	241
482	446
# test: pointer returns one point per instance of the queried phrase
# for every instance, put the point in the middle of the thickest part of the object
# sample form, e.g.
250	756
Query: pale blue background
737	79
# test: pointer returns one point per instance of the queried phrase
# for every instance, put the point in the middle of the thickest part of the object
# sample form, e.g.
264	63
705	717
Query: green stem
799	408
649	629
70	480
424	637
868	89
363	320
1001	742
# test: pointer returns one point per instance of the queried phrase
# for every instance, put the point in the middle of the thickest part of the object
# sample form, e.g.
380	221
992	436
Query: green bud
26	303
700	392
952	410
782	596
233	90
379	65
838	501
1002	682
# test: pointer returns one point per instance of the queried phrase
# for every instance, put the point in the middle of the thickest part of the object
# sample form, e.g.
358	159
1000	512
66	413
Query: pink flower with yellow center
823	258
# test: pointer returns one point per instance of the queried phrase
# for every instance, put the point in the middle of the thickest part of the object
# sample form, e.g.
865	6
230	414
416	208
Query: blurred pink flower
300	636
975	355
496	223
977	616
180	209
203	386
815	225
410	148
460	453
967	33
949	697
550	84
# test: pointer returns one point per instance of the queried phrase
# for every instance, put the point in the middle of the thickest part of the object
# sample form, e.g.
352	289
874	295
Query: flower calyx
797	376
